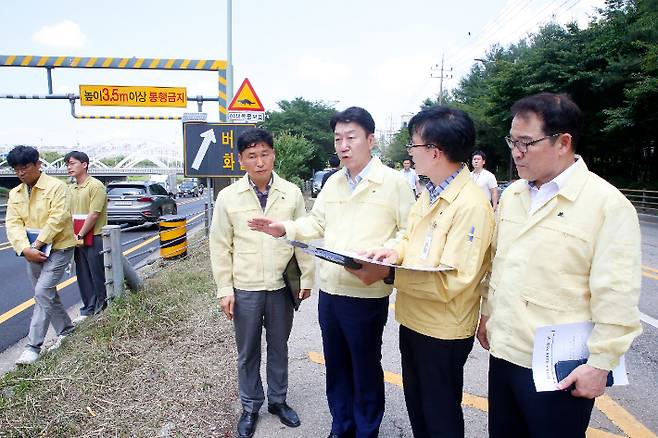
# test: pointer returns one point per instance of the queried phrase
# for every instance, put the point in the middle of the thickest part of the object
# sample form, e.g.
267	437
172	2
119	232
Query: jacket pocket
561	299
248	267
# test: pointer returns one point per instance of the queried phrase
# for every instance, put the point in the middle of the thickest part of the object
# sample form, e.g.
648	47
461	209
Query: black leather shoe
346	435
285	413
247	424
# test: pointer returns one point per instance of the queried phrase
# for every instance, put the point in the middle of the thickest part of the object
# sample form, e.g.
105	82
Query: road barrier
644	201
173	236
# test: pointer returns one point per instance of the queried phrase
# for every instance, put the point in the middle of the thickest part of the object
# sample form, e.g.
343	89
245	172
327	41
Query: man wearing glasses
450	224
41	205
567	249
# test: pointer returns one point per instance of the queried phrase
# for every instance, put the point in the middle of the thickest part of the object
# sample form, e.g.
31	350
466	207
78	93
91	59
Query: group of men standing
563	246
39	225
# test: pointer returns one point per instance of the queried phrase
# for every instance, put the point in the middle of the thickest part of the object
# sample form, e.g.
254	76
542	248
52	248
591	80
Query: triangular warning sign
246	99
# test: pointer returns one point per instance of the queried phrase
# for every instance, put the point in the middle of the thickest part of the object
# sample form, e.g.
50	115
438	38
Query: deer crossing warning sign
246	99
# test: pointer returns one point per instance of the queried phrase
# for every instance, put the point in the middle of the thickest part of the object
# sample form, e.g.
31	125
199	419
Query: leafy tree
610	69
293	154
396	150
112	161
309	120
50	156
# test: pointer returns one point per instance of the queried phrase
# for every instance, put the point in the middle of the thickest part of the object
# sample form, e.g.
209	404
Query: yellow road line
144	243
628	424
29	303
649	268
654	277
622	418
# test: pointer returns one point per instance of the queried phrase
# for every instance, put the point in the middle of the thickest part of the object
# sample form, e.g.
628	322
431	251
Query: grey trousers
48	308
253	311
91	276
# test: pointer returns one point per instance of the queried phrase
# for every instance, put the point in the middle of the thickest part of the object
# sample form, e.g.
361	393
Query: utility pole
444	73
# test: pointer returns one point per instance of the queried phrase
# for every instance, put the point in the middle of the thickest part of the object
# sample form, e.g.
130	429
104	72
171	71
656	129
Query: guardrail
644	201
104	171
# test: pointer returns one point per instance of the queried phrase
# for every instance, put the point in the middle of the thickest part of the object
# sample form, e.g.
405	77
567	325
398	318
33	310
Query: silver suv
138	202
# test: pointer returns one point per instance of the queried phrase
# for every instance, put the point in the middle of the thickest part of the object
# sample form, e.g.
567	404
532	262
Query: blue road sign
211	150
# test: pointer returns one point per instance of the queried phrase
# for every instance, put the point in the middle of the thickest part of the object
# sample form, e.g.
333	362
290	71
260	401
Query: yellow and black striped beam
127	63
121	63
80	116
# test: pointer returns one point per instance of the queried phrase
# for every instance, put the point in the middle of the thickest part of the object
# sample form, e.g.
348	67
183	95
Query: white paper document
554	343
347	258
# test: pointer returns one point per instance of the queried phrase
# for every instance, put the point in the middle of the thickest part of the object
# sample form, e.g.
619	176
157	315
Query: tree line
609	68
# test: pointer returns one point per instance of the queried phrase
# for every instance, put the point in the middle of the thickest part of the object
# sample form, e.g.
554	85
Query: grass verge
159	362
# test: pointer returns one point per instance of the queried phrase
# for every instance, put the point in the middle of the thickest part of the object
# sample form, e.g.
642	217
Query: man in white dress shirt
483	178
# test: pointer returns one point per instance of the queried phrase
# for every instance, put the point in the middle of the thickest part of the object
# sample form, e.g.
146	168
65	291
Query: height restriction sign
211	149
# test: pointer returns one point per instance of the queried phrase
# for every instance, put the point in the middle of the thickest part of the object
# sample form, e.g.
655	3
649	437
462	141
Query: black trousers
433	380
516	409
352	330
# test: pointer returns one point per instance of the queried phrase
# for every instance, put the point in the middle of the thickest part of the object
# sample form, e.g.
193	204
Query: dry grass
157	363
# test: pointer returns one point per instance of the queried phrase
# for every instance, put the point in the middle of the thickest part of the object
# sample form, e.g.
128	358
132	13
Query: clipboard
328	255
292	279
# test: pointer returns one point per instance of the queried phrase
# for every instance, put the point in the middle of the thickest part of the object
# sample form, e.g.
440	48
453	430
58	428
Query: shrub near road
159	362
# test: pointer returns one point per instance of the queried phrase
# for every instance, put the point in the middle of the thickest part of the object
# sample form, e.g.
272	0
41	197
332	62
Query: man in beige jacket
567	249
363	205
450	224
248	270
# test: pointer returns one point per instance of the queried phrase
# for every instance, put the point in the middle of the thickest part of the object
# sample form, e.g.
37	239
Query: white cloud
65	34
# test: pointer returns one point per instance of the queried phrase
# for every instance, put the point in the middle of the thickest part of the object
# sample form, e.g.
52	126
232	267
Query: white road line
649	320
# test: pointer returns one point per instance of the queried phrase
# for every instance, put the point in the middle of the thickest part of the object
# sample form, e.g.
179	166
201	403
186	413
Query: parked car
188	188
316	184
138	202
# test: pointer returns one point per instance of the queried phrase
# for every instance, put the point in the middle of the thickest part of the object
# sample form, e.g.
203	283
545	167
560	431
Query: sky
380	55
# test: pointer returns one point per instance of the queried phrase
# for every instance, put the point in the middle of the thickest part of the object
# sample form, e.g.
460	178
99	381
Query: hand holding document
557	344
32	236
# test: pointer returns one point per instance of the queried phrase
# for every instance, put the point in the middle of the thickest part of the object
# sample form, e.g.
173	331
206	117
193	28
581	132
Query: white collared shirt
357	179
540	196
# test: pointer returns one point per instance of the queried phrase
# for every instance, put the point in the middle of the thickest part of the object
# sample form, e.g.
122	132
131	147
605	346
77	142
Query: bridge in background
138	157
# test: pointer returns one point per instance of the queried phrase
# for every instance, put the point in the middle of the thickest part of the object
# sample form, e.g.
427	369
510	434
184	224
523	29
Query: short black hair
22	155
80	156
357	115
480	153
450	129
558	112
252	136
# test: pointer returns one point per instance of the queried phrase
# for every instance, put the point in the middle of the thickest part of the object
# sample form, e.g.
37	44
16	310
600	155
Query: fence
118	267
644	201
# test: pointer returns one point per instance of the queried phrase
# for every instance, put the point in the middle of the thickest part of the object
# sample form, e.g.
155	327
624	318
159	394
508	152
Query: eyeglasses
523	146
410	146
23	169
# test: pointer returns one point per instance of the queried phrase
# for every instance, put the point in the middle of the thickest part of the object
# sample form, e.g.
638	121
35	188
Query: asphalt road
16	290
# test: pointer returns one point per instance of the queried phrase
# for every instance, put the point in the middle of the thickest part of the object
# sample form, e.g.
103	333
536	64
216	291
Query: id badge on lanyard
428	242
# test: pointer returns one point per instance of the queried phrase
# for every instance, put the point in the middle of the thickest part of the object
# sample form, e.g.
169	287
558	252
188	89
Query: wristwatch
390	278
